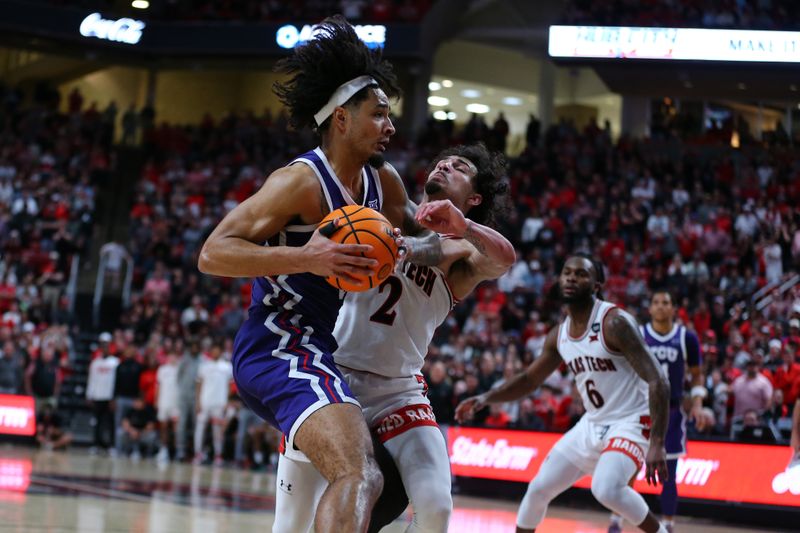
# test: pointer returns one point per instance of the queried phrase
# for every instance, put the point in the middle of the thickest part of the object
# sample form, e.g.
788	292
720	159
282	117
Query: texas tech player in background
618	379
675	348
383	337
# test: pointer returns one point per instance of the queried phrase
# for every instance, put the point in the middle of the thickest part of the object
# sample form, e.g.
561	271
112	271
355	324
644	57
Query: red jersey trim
403	419
627	447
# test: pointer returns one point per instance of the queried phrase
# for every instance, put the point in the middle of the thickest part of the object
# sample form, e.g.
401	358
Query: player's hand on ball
442	216
656	465
325	257
467	408
403	245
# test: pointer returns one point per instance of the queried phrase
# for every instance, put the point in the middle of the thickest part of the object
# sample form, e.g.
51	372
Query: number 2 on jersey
386	313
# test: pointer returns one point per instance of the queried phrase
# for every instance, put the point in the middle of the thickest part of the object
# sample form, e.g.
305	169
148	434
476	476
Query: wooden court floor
57	492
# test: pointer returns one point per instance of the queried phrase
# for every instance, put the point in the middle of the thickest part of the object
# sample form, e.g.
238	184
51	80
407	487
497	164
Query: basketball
362	225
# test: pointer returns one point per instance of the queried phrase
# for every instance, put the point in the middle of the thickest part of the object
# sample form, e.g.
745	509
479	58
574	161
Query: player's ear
474	199
339	118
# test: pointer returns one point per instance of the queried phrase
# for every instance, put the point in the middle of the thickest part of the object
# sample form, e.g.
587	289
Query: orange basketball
362	225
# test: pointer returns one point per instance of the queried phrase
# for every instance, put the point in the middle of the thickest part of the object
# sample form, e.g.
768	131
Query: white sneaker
136	456
163	455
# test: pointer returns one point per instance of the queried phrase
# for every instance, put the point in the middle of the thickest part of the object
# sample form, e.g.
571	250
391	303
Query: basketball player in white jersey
619	382
383	337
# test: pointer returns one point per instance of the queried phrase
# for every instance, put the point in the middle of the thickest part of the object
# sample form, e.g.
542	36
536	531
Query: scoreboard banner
688	44
718	471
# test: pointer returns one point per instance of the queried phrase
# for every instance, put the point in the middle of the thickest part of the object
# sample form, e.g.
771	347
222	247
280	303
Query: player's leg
298	489
199	433
421	457
185	418
218	424
300	391
610	485
675	445
556	475
393	499
669	495
336	440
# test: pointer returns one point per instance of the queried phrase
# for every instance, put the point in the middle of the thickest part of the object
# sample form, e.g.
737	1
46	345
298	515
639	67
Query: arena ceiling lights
687	44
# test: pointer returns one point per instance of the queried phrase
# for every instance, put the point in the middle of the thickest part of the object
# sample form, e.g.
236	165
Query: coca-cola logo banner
711	470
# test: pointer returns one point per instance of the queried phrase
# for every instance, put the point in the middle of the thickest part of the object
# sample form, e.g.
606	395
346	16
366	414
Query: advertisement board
17	415
719	471
693	44
134	37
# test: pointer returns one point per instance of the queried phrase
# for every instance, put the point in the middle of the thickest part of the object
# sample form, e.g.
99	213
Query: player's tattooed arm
520	385
492	254
623	335
422	245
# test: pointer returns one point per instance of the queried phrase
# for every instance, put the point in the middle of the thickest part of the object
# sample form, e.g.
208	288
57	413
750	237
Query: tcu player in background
675	348
618	380
383	337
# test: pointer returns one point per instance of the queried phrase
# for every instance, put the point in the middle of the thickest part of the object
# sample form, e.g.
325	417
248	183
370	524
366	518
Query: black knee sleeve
393	500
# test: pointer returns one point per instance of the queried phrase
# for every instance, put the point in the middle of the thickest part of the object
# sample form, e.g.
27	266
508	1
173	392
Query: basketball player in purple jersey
675	348
282	359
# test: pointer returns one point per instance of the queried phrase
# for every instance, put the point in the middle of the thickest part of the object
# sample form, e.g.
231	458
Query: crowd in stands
712	224
51	163
359	11
745	14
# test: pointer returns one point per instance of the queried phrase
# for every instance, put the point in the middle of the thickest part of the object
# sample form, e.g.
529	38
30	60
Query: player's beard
580	296
432	187
376	160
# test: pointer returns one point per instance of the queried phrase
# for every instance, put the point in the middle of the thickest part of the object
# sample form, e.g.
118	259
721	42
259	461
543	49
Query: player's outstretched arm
235	247
520	385
623	335
423	246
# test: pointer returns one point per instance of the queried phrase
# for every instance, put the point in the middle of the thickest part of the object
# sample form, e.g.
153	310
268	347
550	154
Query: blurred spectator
11	369
752	391
43	378
168	413
138	431
440	394
213	386
497	418
130	125
188	366
115	255
100	393
50	433
786	376
126	388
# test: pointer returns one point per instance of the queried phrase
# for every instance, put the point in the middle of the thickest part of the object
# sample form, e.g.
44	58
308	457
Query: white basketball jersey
387	330
609	386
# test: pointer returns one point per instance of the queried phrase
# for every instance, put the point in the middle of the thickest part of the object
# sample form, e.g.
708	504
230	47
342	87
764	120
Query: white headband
342	94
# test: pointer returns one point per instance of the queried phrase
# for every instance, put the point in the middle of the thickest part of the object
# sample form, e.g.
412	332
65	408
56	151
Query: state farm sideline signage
719	471
17	415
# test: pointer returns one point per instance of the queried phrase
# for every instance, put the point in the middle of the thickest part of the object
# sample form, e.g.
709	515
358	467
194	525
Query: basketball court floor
44	492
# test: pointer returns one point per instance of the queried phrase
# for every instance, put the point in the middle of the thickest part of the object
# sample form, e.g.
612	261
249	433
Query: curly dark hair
490	181
318	67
